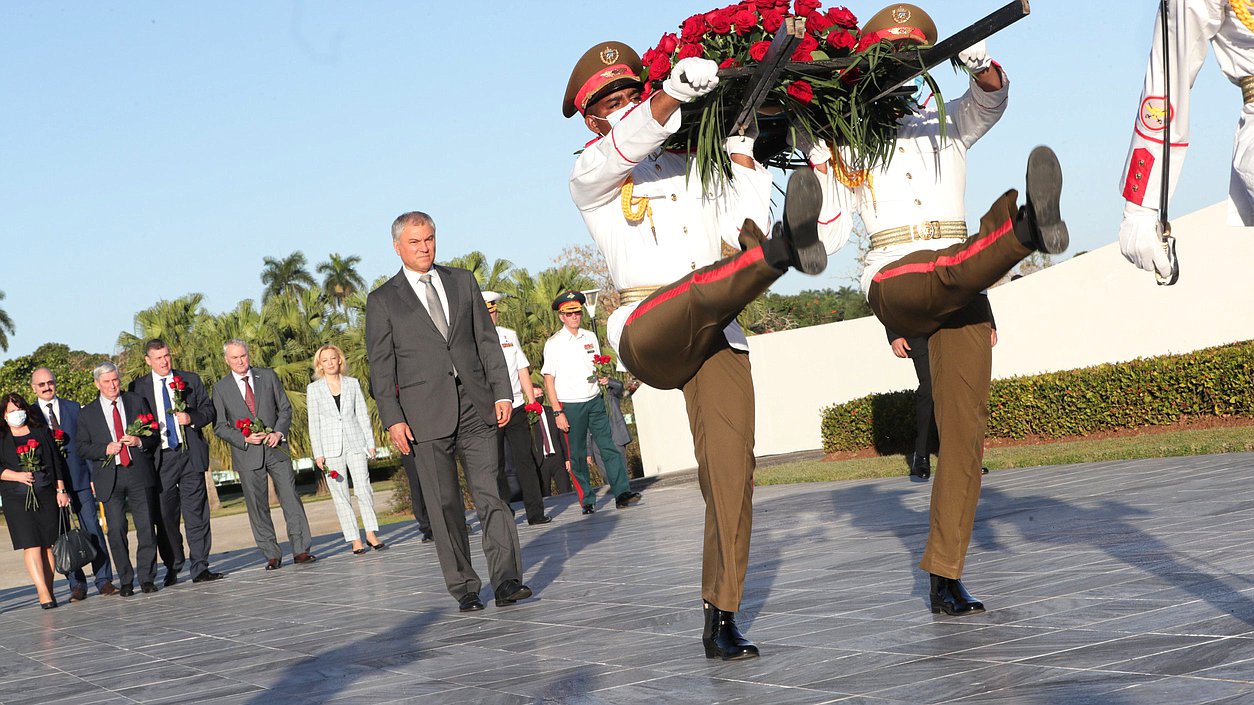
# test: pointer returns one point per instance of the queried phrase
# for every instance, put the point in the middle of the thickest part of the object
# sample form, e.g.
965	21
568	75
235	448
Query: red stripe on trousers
573	480
948	261
744	260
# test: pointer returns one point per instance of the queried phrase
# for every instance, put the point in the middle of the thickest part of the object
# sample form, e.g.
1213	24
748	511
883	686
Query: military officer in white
925	277
662	236
517	430
1228	26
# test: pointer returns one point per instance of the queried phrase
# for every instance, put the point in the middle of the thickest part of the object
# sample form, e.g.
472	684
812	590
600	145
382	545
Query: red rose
153	425
866	42
803	8
533	407
693	28
801	91
688	50
745	20
32	444
22	449
646	91
807	44
58	435
335	475
660	67
842	17
728	63
772	20
668	43
841	39
758	51
817	23
720	21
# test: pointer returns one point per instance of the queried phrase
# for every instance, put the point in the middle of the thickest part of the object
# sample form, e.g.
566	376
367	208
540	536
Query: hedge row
1144	392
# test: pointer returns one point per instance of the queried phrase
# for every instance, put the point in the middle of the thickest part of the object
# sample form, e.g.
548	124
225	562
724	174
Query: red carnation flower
772	20
668	43
842	17
841	39
803	8
720	21
727	63
758	51
801	91
693	28
745	21
688	50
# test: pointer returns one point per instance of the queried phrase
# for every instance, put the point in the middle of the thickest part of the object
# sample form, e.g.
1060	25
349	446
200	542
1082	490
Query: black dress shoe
1040	220
377	546
207	575
542	520
361	551
802	202
304	558
470	602
126	590
274	564
722	638
589	508
627	499
511	591
171	578
949	595
148	588
78	594
427	538
48	605
921	470
107	589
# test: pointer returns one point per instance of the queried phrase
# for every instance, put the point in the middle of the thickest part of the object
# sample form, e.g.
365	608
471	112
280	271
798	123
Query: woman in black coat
33	530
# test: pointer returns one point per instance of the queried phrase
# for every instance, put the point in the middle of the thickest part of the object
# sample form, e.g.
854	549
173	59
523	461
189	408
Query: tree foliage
6	326
72	369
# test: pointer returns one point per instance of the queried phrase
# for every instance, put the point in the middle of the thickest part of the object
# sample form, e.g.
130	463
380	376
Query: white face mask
15	418
614	117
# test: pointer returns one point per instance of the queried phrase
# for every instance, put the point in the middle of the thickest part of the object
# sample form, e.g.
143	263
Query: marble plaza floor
1113	583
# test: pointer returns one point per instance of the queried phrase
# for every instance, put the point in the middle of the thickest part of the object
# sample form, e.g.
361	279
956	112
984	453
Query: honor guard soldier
662	236
570	382
517	430
925	277
1229	27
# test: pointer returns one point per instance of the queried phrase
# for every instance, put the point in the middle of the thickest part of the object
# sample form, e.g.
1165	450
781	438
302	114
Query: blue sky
149	150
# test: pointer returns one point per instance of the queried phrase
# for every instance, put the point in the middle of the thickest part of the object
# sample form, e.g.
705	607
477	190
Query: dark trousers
937	294
588	418
83	502
183	495
417	506
553	475
141	501
518	431
278	467
924	418
476	441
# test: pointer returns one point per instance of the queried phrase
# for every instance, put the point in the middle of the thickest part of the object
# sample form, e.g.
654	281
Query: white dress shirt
420	289
107	405
252	382
158	384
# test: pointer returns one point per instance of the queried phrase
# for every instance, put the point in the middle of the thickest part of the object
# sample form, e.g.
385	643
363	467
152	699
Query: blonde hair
317	370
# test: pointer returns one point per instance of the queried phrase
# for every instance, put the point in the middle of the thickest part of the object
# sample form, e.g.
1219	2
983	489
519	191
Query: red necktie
249	399
124	455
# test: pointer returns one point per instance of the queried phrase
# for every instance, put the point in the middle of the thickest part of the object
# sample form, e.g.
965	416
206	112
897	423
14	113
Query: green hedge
1144	392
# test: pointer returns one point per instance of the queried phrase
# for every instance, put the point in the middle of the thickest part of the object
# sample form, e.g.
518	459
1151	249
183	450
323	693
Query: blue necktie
170	432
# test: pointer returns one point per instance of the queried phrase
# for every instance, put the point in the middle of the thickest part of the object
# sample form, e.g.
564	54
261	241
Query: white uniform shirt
515	360
691	224
159	384
926	179
569	359
1191	25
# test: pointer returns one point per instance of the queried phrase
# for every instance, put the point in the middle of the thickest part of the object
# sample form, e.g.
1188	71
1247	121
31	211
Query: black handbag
73	548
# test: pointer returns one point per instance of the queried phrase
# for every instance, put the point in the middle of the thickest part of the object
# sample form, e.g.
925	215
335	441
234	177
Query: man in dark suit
123	474
182	459
62	414
441	385
255	393
552	448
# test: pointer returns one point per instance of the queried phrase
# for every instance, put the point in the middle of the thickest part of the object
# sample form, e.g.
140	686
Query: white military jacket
1191	25
926	180
689	225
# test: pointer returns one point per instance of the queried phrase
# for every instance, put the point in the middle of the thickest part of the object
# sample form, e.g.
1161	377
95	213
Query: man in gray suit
255	393
440	381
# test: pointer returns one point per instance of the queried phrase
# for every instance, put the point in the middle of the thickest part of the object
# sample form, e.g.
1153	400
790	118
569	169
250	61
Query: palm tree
6	327
175	322
490	276
286	274
340	278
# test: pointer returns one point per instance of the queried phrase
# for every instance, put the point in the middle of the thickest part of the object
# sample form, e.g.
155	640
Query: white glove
819	154
975	57
1139	241
739	144
691	78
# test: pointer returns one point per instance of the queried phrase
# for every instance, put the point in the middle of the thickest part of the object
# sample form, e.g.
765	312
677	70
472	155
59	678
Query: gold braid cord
851	178
635	210
1241	9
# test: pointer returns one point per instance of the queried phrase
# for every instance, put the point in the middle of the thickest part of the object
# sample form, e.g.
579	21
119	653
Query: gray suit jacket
618	424
411	365
273	409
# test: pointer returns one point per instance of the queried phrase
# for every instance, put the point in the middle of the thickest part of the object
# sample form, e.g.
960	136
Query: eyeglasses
564	314
45	384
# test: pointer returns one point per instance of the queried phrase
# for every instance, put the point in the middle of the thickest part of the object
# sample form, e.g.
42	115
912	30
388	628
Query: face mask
16	418
614	117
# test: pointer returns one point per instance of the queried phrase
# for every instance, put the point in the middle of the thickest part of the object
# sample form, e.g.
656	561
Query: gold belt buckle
928	230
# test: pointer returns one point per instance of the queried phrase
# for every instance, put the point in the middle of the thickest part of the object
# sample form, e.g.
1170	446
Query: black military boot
1040	225
949	595
722	638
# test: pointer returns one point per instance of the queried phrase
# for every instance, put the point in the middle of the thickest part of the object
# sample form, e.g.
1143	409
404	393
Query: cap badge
609	55
901	14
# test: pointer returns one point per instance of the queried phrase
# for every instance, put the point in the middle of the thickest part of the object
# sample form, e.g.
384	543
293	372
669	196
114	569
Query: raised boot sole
802	202
1044	186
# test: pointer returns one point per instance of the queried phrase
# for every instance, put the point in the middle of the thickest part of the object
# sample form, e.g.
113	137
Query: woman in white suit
340	433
